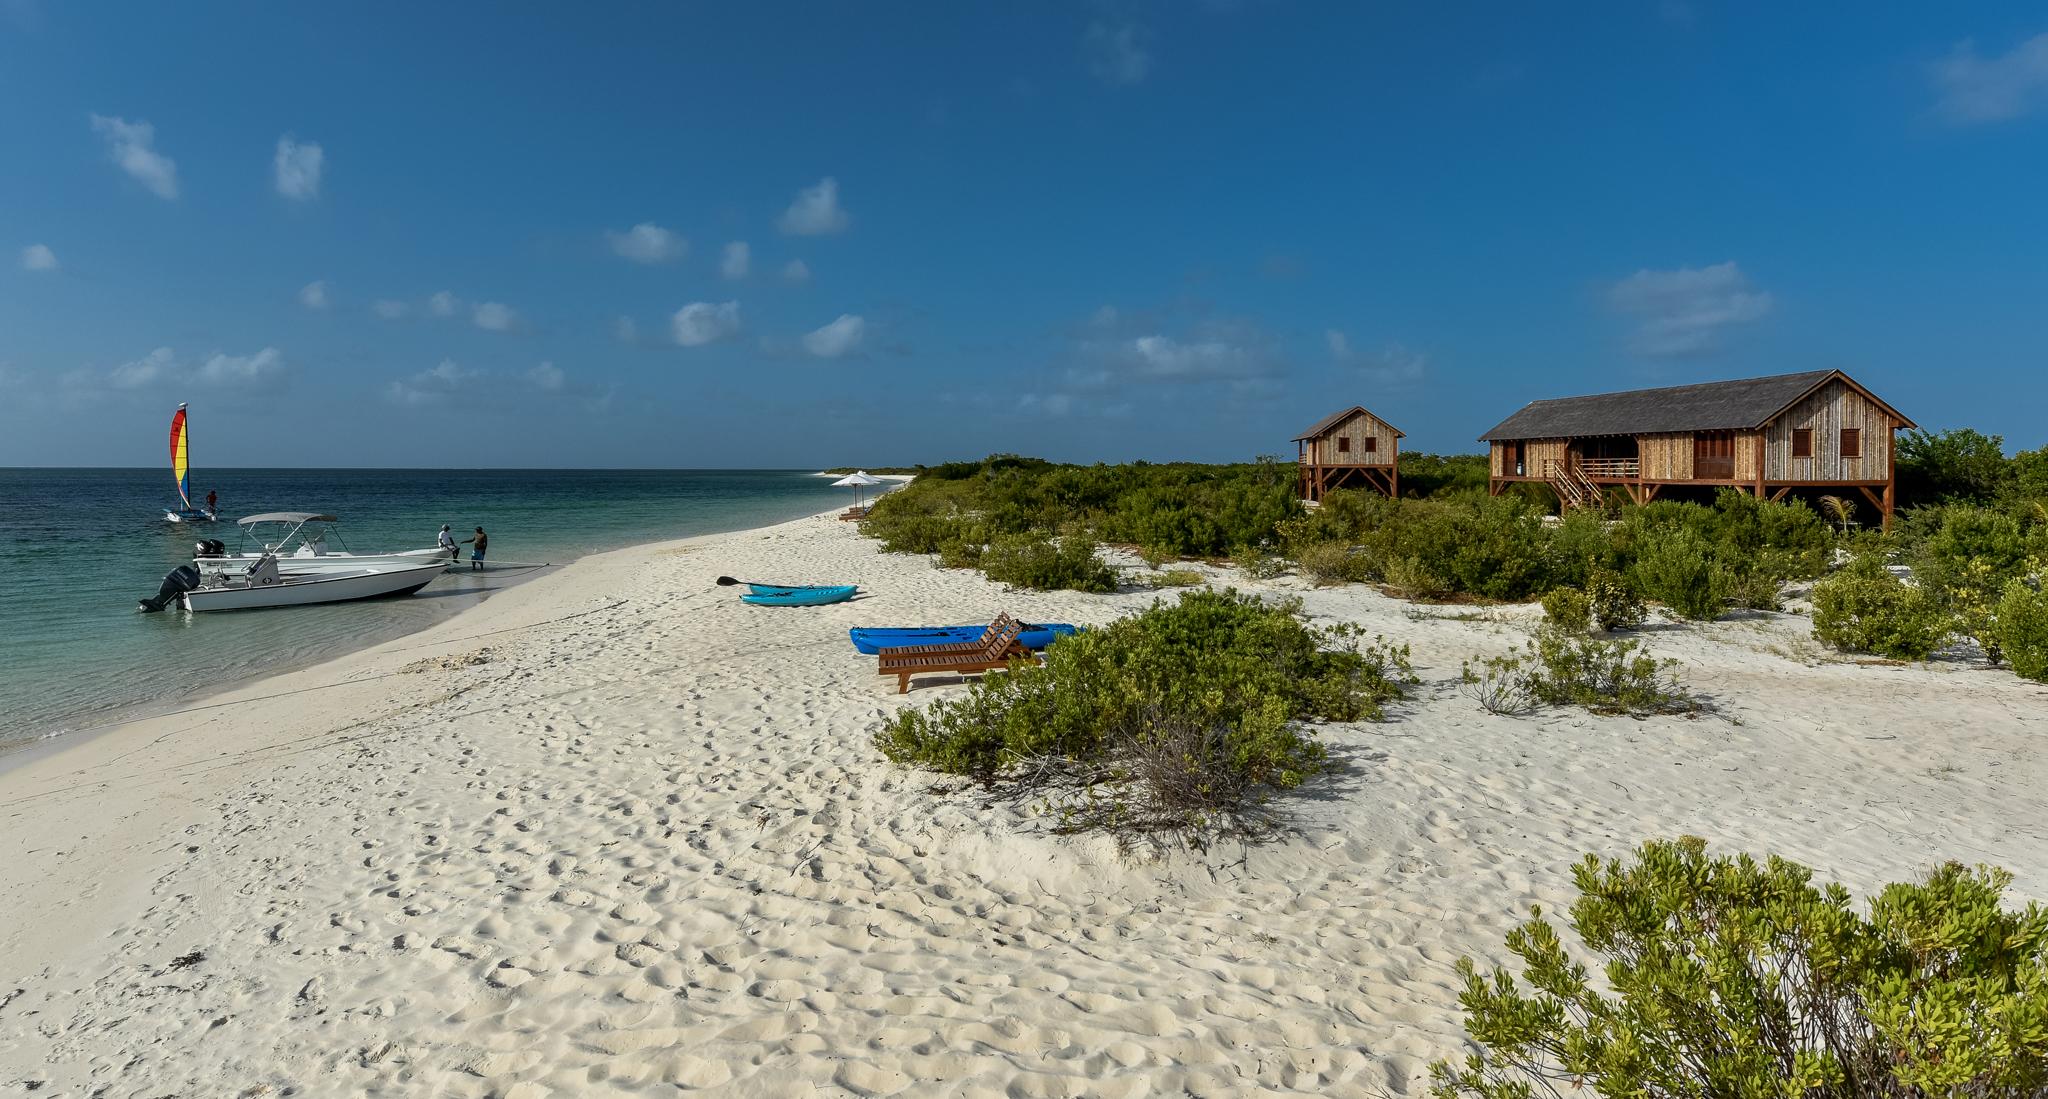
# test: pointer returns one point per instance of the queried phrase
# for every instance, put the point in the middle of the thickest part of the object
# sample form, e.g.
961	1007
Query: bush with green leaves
1616	606
2022	629
1069	563
1605	677
1182	718
1329	563
1500	684
1676	567
1257	562
1863	608
1567	609
1726	978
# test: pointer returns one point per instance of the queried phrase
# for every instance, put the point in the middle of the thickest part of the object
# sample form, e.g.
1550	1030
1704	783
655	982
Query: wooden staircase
1574	489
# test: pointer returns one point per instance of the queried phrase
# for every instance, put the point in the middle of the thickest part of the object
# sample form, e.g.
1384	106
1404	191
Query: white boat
300	541
263	585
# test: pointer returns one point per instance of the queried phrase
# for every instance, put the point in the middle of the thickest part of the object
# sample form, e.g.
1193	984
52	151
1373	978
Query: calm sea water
78	547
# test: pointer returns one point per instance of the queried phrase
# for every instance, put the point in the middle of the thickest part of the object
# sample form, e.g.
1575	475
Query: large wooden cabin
1352	448
1819	429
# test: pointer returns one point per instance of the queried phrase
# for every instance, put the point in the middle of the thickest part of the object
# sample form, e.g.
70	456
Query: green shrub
1605	677
1411	578
1177	578
1676	568
1865	609
2023	629
1615	605
1184	717
1755	589
1047	565
1157	556
1568	609
1726	979
1329	563
960	555
1257	562
1500	684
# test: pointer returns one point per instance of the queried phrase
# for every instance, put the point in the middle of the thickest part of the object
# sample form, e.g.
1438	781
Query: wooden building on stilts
1349	449
1767	436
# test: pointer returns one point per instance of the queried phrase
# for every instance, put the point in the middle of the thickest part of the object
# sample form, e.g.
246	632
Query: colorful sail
180	464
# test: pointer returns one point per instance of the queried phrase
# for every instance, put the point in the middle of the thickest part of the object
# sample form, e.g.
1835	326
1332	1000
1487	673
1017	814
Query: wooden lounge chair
1001	623
855	514
993	655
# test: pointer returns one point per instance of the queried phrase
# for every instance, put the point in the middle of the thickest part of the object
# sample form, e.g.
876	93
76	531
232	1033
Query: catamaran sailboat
302	542
180	470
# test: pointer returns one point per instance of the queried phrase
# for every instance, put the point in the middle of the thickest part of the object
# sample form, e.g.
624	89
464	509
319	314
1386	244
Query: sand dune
613	832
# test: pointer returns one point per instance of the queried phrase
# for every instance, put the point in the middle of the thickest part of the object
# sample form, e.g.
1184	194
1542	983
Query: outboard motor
209	547
179	581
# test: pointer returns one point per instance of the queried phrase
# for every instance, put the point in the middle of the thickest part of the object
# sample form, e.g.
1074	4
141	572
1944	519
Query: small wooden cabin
1347	449
1819	429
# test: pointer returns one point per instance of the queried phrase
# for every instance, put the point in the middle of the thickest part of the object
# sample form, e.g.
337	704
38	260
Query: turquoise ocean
78	547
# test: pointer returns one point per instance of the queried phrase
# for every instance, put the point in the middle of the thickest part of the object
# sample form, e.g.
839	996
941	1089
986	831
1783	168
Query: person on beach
447	542
476	556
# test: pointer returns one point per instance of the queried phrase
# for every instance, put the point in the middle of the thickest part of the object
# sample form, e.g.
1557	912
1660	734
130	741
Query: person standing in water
476	556
446	541
212	502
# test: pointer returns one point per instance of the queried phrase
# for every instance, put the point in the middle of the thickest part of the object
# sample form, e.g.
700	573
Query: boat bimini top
299	517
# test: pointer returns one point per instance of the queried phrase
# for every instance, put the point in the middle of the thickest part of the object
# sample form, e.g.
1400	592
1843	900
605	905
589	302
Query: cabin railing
1569	480
1611	467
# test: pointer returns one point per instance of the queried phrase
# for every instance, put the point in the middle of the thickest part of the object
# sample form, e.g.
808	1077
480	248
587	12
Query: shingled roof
1333	419
1708	406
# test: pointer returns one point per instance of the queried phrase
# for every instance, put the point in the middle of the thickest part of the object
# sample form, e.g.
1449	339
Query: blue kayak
871	640
809	595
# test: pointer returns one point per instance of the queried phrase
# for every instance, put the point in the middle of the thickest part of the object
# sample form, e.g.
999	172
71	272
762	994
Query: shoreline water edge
613	831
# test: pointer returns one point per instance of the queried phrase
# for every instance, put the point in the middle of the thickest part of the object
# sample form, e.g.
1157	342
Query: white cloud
628	332
38	257
132	145
297	168
314	295
430	386
796	272
1340	345
1116	55
241	369
220	368
648	243
702	322
737	260
496	316
1395	366
816	211
836	338
1973	89
1166	358
157	364
1684	311
545	376
443	304
388	309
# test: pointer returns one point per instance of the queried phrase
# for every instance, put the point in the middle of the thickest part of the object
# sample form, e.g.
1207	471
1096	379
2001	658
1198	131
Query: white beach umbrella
857	480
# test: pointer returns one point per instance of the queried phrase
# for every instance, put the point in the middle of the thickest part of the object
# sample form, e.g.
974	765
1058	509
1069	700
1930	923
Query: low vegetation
1178	722
1726	977
1563	667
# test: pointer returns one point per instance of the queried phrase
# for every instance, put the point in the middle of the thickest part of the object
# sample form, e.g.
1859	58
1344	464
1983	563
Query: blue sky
489	235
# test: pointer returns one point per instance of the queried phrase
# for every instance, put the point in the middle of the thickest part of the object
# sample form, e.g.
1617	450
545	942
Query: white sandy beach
613	832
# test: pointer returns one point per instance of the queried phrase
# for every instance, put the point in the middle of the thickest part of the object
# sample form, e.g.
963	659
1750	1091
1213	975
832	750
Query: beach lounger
994	655
1002	623
854	514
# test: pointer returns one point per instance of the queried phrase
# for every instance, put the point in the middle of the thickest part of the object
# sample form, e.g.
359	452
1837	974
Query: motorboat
263	584
302	542
181	456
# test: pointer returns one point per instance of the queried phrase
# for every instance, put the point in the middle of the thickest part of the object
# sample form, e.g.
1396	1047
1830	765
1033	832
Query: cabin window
1852	442
1343	445
1372	444
1802	442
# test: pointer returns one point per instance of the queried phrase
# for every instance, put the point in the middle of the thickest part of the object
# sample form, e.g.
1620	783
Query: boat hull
306	590
872	640
195	515
308	563
815	596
